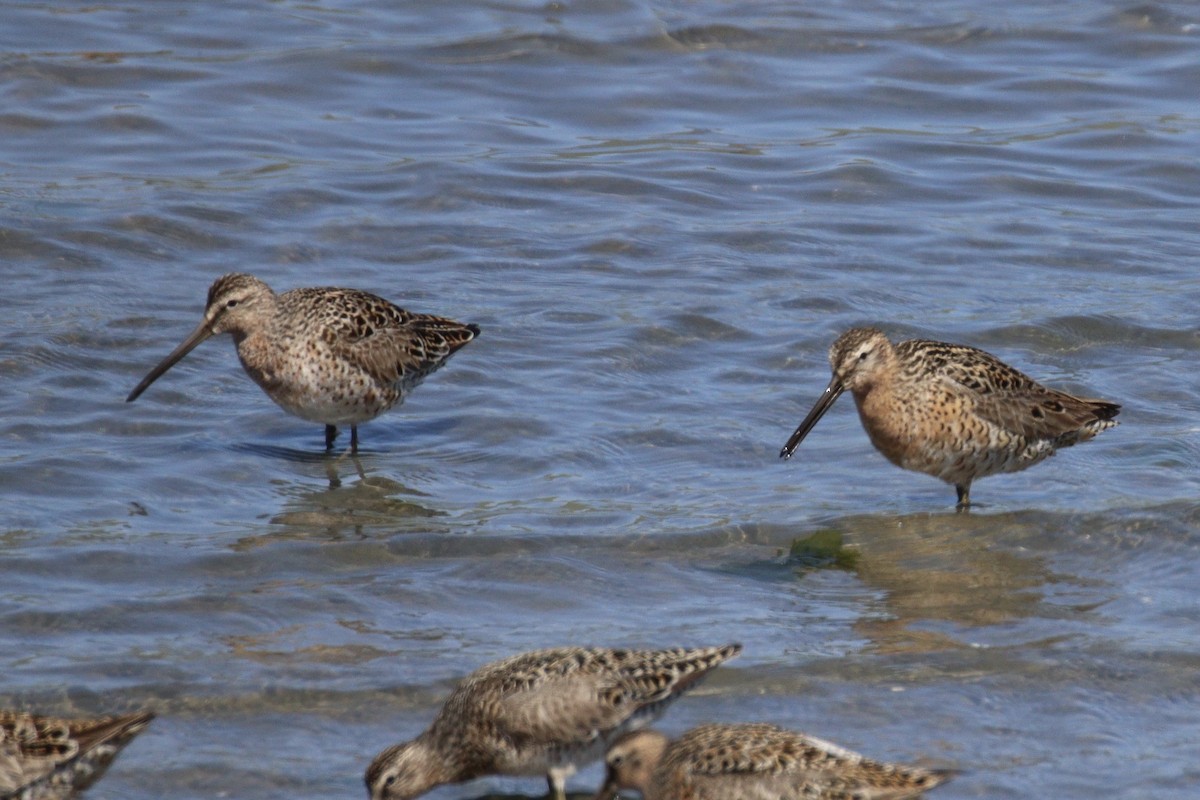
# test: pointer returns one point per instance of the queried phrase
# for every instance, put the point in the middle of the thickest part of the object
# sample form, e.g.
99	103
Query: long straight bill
196	337
832	392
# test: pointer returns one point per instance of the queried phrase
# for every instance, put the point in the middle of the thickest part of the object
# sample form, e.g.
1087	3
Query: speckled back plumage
572	699
1005	397
395	347
47	758
537	711
756	761
952	411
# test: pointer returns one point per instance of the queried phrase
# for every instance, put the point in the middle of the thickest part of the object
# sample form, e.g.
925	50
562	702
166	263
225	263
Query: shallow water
661	215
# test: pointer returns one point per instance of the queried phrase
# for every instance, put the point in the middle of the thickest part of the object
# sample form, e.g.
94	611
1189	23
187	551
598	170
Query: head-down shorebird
538	713
46	758
328	355
753	762
951	411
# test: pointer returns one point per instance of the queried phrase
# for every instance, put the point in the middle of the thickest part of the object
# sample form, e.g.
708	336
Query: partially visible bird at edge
540	713
326	355
951	411
754	761
51	758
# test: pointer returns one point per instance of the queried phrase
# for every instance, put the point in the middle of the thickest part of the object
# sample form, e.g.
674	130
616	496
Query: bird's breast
307	379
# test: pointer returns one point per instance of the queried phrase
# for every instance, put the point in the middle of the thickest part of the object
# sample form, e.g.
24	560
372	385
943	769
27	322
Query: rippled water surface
661	215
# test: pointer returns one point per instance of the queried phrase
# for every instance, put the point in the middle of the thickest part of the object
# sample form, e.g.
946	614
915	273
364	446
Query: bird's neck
449	760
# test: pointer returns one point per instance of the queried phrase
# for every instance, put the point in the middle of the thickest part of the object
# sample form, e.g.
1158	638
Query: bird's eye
231	303
389	780
862	356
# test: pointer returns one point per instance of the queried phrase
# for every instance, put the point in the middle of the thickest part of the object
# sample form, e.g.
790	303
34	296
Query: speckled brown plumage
951	411
754	762
47	758
328	355
540	713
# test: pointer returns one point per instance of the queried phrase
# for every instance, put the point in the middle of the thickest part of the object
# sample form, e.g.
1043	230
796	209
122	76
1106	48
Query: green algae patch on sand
823	549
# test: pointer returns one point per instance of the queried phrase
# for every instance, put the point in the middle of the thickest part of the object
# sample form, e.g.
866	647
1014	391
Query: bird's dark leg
353	438
330	435
964	495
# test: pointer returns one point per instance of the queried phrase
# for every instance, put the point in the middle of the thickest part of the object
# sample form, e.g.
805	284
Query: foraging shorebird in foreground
540	713
753	762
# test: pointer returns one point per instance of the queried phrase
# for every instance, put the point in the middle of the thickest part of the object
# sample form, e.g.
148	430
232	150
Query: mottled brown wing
18	771
404	355
759	760
564	711
32	748
1047	415
1011	399
751	749
395	346
27	754
571	695
576	708
719	762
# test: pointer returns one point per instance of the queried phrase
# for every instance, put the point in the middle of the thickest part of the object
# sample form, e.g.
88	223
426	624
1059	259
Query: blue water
661	215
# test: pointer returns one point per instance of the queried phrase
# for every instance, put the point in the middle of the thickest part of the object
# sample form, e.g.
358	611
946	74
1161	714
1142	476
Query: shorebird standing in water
46	758
753	762
540	713
328	355
951	411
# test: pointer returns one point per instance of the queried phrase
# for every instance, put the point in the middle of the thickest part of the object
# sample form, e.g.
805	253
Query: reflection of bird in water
540	713
328	355
331	471
375	506
951	411
47	758
935	567
753	762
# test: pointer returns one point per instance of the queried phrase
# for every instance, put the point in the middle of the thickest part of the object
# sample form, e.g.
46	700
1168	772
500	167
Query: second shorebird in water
754	761
951	411
540	713
335	356
49	758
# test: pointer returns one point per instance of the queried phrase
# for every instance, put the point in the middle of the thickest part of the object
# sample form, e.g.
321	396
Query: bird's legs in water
331	433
